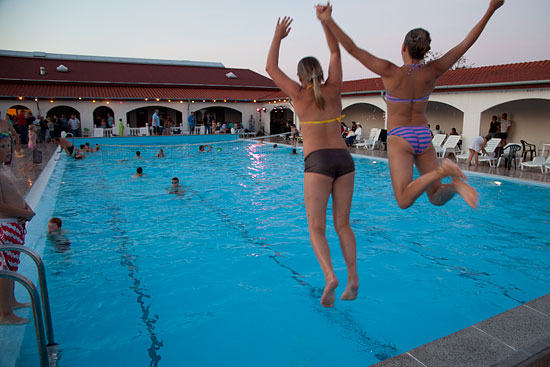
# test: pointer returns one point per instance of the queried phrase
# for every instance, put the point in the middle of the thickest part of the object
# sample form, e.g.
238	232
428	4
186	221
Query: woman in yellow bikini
329	168
408	89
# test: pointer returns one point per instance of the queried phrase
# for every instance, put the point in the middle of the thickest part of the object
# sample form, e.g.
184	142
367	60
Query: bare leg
342	193
317	189
439	193
472	152
7	317
407	190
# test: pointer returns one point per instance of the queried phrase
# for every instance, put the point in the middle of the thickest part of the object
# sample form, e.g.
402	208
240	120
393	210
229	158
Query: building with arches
131	89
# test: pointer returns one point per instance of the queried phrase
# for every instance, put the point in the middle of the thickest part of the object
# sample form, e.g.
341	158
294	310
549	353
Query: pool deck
519	337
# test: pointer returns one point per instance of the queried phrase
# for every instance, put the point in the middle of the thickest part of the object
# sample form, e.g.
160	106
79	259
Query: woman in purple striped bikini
408	90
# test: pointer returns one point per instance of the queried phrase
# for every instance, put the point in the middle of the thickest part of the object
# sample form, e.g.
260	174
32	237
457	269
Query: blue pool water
225	274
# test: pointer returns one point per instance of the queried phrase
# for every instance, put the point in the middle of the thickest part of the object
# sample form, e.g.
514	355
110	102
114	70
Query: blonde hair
310	71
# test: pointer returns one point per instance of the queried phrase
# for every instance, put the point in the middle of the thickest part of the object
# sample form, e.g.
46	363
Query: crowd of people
45	129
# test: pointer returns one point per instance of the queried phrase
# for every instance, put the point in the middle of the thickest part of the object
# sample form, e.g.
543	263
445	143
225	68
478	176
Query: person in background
176	188
74	124
155	122
120	128
14	213
8	128
161	153
110	120
32	137
192	121
505	127
251	123
476	146
201	148
139	173
57	236
65	145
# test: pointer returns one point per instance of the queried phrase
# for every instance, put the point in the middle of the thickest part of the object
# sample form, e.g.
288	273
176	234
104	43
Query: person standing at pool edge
14	213
329	168
408	89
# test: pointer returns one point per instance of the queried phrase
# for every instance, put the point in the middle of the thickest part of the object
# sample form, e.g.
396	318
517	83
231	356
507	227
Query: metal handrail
37	311
43	286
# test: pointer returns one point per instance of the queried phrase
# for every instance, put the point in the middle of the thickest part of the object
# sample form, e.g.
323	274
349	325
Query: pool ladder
47	351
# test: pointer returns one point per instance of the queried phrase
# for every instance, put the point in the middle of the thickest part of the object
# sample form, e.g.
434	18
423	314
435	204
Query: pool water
225	274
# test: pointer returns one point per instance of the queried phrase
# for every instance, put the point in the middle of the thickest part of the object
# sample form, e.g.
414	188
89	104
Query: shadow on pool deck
519	337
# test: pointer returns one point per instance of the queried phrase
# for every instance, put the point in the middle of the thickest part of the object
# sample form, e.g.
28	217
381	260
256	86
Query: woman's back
320	127
407	90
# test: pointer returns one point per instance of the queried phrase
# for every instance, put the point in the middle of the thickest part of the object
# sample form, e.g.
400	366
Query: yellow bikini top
324	121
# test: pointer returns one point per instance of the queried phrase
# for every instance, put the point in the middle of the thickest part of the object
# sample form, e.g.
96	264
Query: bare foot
468	193
16	305
449	169
13	319
328	297
351	292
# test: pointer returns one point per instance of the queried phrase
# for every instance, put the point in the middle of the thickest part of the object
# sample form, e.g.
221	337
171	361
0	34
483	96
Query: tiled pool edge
12	337
514	338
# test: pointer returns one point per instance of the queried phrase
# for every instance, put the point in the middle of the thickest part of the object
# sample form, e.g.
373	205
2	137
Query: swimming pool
225	274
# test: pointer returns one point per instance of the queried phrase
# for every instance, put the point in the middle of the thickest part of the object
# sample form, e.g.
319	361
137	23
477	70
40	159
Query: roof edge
128	60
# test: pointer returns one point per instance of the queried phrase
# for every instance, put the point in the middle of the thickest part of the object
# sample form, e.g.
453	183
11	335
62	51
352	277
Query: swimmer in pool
161	153
329	168
201	148
139	173
176	188
56	235
408	89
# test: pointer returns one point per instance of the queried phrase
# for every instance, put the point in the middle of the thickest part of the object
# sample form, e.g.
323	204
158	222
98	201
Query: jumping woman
329	168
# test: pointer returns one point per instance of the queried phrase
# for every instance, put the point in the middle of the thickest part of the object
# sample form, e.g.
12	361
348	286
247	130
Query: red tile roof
57	91
19	76
503	75
95	72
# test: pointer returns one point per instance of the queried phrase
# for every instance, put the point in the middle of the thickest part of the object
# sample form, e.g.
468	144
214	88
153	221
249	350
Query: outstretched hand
495	4
323	12
283	27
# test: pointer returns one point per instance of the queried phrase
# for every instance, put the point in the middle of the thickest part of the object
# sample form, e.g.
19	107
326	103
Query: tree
462	62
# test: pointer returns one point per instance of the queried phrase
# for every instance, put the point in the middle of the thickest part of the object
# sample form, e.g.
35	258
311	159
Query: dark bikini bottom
329	162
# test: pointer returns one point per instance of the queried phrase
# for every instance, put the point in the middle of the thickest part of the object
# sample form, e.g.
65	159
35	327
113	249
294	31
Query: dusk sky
238	34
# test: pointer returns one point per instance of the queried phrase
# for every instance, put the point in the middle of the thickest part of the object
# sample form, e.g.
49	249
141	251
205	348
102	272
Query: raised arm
290	87
446	61
379	66
335	67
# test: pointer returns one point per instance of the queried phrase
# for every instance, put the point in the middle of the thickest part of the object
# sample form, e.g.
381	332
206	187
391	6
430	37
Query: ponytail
319	100
310	70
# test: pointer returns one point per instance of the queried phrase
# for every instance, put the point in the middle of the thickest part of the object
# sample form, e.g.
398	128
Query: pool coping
513	338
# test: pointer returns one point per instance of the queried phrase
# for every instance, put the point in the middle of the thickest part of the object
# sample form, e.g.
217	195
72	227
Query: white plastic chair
370	139
437	140
539	162
371	144
450	146
490	148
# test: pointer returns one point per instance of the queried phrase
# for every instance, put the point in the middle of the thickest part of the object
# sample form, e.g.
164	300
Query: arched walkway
59	111
366	114
101	113
444	115
13	111
278	118
530	120
220	114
